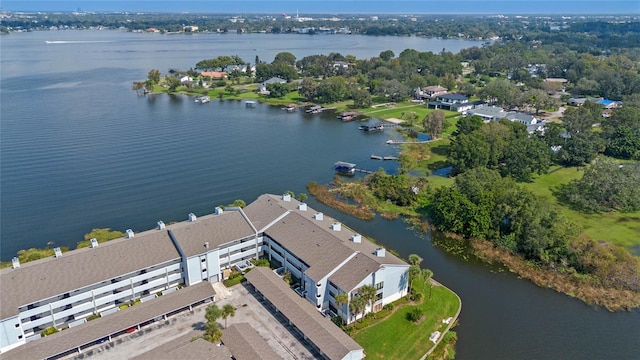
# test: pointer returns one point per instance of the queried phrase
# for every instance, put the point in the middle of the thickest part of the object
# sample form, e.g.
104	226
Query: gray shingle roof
311	240
324	334
494	112
453	97
353	272
184	348
49	277
246	344
312	244
214	229
99	328
264	210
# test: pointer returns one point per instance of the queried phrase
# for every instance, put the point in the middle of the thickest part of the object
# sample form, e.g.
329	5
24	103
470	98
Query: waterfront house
452	102
430	92
494	113
262	87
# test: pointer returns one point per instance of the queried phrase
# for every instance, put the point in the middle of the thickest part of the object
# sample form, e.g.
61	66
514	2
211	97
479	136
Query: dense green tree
605	186
433	123
468	124
285	57
154	76
484	205
277	90
624	143
332	89
387	55
525	156
393	89
581	119
580	149
501	92
468	151
308	89
172	83
361	98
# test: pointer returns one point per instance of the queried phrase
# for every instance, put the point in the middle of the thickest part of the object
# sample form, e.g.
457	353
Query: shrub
415	296
415	315
93	317
49	331
389	307
261	262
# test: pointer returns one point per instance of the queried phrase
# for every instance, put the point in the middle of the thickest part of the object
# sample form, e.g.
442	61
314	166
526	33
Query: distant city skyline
506	7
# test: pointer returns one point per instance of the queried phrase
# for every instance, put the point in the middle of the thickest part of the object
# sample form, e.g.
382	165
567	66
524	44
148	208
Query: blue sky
629	7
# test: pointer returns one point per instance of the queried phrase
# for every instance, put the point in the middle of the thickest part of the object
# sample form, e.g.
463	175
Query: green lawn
398	338
619	228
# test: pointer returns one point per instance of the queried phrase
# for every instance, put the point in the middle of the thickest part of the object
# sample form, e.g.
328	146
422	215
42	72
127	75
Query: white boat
202	99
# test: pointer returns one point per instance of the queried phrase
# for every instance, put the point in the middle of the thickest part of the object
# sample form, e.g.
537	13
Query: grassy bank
396	337
617	228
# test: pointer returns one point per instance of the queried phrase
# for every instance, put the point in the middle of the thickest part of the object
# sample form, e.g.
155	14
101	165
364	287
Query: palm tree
212	332
341	299
414	271
368	293
357	305
228	310
414	259
426	275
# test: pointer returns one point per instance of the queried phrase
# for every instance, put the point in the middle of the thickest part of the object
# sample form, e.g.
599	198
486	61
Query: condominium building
324	257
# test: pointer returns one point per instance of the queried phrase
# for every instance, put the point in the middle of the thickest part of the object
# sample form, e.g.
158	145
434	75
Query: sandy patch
394	120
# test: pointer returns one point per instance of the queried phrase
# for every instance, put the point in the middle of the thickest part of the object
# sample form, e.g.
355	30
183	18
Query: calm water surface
79	150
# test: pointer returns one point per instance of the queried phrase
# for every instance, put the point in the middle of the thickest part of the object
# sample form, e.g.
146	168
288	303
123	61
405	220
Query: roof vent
206	245
380	252
94	243
286	197
161	225
15	263
218	210
129	233
336	226
356	238
57	252
192	217
302	207
318	216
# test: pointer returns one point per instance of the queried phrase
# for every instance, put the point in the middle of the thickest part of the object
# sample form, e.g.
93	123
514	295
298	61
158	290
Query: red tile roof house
215	75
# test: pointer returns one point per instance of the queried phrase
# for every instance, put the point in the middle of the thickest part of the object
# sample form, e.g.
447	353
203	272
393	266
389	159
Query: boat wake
77	41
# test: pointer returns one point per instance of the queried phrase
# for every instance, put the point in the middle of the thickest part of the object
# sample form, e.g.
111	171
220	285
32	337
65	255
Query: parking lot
277	334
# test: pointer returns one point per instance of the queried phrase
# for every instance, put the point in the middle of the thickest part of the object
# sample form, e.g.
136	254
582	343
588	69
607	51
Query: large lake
80	150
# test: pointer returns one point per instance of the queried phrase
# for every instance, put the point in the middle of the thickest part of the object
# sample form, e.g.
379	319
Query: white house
494	113
452	102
